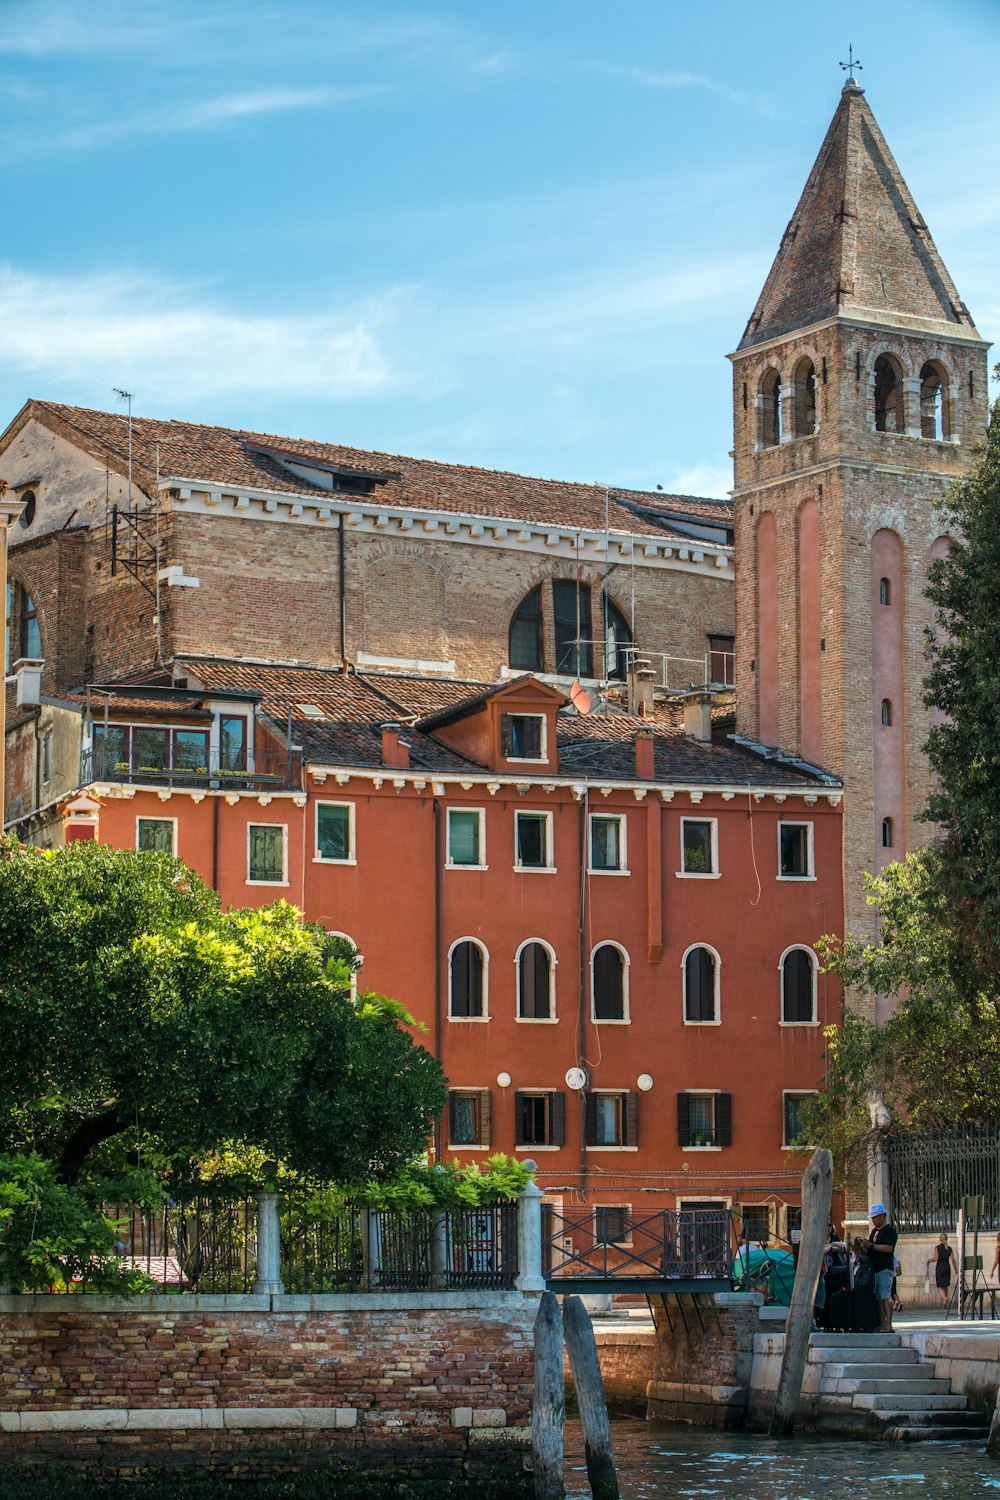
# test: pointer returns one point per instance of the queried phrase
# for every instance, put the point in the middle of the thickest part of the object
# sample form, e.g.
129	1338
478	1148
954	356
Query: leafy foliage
133	1007
52	1236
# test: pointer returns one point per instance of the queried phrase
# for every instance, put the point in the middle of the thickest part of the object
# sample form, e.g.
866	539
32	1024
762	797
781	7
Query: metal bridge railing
685	1245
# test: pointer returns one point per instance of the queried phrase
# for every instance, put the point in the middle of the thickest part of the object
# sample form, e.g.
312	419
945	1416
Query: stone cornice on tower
857	247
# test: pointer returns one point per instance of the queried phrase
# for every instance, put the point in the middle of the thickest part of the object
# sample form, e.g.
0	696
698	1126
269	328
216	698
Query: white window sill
529	1149
466	1146
537	1020
449	866
465	1020
793	1024
592	871
535	870
612	1148
701	1148
527	760
625	1021
248	881
702	1023
796	878
321	859
697	874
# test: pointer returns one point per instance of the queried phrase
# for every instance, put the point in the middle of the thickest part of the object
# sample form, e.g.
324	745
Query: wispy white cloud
712	480
213	114
171	344
651	79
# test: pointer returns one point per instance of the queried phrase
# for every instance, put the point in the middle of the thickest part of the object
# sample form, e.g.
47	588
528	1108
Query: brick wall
256	1384
703	1357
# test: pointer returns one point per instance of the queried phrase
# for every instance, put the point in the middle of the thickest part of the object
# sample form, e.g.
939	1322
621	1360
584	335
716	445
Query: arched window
339	945
701	986
608	979
573	630
27	499
467	981
526	633
31	634
934	404
888	394
804	391
887	834
534	982
770	409
798	987
884	591
886	711
618	637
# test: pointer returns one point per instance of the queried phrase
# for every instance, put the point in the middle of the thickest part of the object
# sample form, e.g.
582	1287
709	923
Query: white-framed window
608	851
533	841
792	1104
699	847
700	980
613	1223
798	986
757	1222
535	967
539	1119
335	833
466	838
267	854
795	851
470	1119
522	736
468	980
156	834
612	1120
704	1119
609	966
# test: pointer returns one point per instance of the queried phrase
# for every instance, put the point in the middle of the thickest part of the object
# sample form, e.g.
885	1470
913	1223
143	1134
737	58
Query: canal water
657	1462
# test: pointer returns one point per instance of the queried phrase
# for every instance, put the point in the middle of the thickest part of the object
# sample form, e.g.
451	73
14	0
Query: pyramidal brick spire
856	245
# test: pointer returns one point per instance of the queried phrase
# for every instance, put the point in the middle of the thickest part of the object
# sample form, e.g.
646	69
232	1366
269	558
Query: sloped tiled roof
856	243
229	456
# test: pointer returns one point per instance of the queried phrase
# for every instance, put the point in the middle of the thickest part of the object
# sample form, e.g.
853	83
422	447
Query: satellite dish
576	1078
580	699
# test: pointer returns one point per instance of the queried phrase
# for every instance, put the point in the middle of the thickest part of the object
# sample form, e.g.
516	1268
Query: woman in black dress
942	1260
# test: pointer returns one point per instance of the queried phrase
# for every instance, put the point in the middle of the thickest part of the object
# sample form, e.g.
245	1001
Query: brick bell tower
860	390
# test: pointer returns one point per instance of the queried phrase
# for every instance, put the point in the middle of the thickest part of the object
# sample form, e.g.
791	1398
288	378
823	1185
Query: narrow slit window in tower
888	395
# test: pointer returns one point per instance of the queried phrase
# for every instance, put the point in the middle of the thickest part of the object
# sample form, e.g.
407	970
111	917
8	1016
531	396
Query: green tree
132	1007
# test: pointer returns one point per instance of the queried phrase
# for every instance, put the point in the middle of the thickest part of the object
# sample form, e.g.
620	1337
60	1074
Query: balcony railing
279	770
679	674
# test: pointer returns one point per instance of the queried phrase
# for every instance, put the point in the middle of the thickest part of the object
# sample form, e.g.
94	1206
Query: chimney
395	752
28	676
645	745
640	689
698	717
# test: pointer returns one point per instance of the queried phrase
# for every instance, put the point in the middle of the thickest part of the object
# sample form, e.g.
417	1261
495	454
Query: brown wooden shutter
683	1119
558	1108
590	1122
518	1119
723	1119
451	1114
485	1117
631	1119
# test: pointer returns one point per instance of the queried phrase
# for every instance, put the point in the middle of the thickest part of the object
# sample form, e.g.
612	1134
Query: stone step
855	1341
901	1370
901	1390
878	1402
905	1434
865	1358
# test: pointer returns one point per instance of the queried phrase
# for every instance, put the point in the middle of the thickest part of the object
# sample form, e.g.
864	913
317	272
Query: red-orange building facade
559	898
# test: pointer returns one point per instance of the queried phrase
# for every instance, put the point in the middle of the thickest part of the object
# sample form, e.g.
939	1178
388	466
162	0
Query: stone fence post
529	1238
268	1282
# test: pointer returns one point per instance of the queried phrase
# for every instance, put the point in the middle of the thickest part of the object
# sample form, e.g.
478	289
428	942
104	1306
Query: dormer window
522	736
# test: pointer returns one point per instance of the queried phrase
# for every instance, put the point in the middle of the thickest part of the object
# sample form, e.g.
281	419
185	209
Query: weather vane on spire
850	65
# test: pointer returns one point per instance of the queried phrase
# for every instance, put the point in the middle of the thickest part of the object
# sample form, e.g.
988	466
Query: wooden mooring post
586	1369
817	1191
548	1413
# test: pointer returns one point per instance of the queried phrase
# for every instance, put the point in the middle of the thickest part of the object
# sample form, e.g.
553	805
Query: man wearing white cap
882	1251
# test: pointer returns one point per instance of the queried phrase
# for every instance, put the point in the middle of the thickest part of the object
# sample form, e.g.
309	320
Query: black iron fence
931	1174
612	1246
208	1244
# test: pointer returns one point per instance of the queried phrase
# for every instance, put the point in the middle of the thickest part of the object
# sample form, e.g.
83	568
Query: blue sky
520	235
